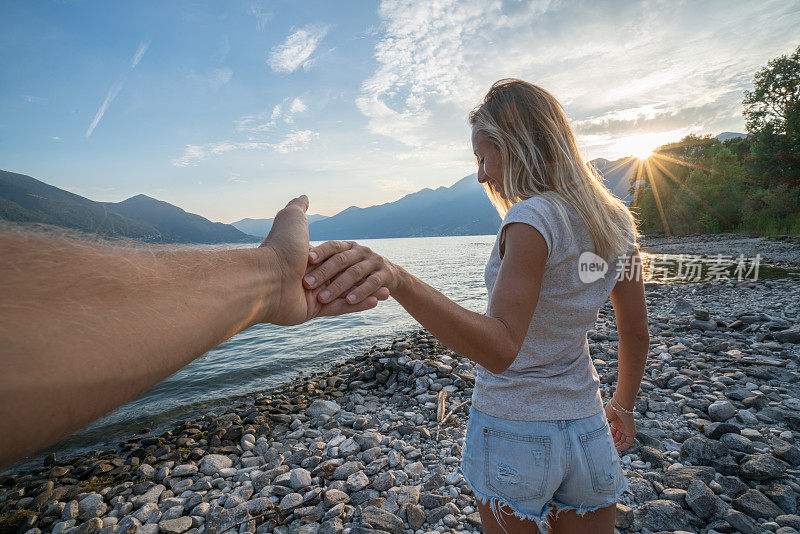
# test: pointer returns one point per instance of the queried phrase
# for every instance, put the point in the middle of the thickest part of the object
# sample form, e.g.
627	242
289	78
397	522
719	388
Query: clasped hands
334	278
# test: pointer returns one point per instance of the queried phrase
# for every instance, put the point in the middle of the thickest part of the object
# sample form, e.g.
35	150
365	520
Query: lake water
266	356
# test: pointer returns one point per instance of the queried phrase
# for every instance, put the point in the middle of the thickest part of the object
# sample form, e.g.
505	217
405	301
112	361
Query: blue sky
228	109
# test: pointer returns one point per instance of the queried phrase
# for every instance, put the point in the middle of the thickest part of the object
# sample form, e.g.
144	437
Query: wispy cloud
137	57
261	122
55	138
110	96
292	142
262	17
661	69
297	49
34	99
115	89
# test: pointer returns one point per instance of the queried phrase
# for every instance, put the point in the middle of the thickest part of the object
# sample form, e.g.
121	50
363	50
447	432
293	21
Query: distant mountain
618	175
25	199
261	227
461	209
725	136
175	225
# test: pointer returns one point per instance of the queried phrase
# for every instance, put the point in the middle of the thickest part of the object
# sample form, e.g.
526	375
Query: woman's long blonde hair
540	156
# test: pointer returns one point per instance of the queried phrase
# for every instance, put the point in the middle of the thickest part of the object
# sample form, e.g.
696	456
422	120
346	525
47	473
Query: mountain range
27	200
461	209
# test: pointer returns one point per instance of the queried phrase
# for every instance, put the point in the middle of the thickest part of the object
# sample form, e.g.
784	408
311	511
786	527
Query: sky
230	109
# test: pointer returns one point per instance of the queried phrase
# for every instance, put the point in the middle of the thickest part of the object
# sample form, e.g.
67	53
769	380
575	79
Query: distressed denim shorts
534	466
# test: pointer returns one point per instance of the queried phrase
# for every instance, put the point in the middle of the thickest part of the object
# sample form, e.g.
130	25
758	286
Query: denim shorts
534	467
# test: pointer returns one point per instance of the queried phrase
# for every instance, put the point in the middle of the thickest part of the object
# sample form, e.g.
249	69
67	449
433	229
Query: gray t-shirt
553	377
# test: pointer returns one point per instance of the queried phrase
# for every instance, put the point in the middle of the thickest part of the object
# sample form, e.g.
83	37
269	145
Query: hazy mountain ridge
25	199
261	227
461	209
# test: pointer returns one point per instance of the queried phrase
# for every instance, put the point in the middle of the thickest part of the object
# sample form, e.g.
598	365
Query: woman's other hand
623	427
352	270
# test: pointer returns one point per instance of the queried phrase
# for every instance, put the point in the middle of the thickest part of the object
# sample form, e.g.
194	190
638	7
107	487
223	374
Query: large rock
660	515
211	464
380	519
721	410
756	504
299	478
681	477
221	519
701	499
176	526
701	450
763	467
322	407
414	516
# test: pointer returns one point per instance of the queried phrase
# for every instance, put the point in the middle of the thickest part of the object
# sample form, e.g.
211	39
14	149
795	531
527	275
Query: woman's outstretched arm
491	340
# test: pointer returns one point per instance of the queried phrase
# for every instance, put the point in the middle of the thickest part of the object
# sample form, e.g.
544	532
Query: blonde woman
539	452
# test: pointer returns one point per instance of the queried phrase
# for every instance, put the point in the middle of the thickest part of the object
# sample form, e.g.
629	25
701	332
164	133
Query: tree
774	102
772	115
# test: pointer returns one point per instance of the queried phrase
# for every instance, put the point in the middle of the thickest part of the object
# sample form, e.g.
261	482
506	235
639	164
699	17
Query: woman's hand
351	269
623	427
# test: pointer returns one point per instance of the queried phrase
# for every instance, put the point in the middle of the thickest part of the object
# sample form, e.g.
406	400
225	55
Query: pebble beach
372	444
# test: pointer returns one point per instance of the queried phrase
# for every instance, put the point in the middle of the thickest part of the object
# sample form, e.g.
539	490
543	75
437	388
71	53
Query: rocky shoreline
781	250
372	444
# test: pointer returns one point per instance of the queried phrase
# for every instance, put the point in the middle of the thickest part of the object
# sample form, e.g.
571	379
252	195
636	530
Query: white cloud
297	106
55	138
665	69
297	49
292	142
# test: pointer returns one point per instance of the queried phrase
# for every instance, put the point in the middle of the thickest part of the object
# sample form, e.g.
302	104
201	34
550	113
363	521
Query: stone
146	471
681	477
292	500
91	506
414	516
322	407
334	497
756	504
624	517
414	469
763	467
741	522
331	526
185	470
220	520
782	495
701	450
299	478
380	519
357	481
721	410
383	481
211	464
176	526
701	499
660	515
404	495
91	526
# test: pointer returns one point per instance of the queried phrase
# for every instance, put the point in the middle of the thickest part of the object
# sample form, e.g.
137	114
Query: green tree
772	116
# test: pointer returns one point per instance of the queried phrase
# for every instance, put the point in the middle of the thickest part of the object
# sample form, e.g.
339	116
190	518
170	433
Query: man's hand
288	244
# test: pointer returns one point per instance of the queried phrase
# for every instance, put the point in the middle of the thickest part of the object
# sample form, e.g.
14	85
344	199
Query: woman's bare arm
630	310
491	340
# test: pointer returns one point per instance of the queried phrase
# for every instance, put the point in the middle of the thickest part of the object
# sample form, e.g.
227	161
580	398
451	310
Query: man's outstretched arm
86	327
